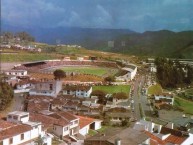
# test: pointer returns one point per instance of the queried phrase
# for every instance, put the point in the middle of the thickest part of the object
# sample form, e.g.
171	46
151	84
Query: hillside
159	43
70	35
150	43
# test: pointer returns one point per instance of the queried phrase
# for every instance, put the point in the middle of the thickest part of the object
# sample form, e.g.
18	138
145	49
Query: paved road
136	98
140	99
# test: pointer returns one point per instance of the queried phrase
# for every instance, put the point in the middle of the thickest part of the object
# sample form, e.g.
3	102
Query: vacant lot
183	104
113	89
155	89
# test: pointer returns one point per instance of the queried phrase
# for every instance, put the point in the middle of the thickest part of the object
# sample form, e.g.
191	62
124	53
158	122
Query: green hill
157	43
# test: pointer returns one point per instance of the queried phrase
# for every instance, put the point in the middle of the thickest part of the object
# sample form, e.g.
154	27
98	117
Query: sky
136	15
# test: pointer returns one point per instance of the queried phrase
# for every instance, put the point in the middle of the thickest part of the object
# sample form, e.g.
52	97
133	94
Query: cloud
138	15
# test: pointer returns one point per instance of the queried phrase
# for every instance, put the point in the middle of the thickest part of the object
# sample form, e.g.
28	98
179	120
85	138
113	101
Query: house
58	103
64	123
47	88
87	123
159	134
117	118
19	130
11	80
18	73
118	136
164	98
79	91
24	86
127	73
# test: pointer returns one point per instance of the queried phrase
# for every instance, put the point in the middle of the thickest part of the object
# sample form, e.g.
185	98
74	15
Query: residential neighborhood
102	72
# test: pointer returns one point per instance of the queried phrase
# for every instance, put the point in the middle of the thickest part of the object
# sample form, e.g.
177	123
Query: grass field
155	89
99	71
113	89
190	91
183	104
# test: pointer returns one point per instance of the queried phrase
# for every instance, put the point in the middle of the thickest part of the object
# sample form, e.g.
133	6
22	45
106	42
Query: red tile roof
175	139
14	130
48	121
67	116
5	124
84	121
35	106
154	139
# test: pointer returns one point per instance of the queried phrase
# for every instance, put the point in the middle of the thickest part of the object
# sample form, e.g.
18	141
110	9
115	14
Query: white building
165	98
19	130
127	74
16	72
87	123
79	91
47	88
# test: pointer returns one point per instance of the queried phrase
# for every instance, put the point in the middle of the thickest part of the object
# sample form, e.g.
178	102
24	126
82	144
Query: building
19	73
127	73
87	123
159	134
118	136
47	88
79	91
164	98
19	130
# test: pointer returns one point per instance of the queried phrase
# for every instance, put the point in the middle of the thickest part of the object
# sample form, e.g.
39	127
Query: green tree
24	36
101	96
59	74
125	123
109	79
6	95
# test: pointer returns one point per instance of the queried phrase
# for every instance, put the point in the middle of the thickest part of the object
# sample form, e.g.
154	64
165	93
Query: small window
22	136
9	116
51	86
11	141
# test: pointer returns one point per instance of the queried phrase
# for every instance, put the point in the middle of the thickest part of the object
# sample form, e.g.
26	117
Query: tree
109	79
101	96
125	123
6	95
120	95
189	75
59	74
24	36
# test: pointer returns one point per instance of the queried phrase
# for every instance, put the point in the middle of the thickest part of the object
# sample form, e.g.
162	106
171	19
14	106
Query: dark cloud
138	15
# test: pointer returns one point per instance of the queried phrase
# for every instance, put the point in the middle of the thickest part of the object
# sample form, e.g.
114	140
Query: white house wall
17	139
84	131
189	140
97	125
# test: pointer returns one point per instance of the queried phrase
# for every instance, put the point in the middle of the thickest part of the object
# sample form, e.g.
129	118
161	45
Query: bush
120	95
6	95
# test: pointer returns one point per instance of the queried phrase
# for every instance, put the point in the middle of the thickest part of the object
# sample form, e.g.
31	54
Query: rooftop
127	136
18	113
14	130
84	121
